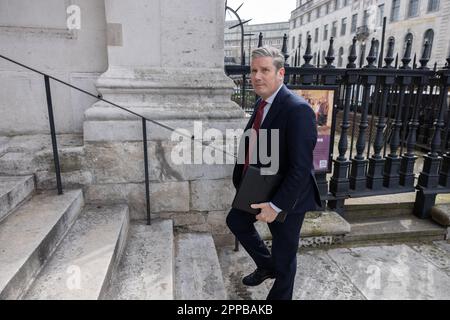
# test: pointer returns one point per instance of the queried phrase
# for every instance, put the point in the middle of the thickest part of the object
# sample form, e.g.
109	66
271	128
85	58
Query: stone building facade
272	35
418	20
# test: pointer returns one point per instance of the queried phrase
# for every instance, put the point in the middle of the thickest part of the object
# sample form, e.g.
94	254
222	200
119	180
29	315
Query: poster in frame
323	100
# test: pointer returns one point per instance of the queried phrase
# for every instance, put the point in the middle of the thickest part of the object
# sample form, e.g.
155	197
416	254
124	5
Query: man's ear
281	72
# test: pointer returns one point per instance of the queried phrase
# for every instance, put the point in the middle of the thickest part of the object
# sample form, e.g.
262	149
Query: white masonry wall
36	33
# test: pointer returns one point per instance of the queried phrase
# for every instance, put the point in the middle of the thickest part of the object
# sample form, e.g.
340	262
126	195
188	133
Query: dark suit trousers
283	259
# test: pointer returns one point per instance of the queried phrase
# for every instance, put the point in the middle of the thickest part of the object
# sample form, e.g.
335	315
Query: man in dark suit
278	108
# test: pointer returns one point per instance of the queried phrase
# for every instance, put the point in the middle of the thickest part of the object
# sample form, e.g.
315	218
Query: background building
272	32
418	20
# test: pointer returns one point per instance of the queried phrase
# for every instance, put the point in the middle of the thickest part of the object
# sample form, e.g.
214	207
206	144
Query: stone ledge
315	242
316	224
441	214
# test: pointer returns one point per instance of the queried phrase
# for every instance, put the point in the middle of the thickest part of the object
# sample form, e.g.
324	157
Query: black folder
255	188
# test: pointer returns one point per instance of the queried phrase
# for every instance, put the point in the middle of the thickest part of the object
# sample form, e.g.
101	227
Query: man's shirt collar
272	97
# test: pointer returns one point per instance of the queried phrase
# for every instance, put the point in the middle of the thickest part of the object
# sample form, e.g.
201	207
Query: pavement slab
318	277
392	272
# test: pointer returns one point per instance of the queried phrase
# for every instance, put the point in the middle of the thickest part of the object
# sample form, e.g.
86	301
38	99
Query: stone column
165	63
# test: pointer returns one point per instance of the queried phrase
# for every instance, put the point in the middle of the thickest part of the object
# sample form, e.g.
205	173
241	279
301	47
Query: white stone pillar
166	63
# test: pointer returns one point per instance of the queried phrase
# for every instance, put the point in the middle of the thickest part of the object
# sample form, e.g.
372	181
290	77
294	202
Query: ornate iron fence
384	115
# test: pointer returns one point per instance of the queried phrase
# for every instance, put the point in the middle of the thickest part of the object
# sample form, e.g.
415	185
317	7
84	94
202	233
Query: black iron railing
144	119
387	111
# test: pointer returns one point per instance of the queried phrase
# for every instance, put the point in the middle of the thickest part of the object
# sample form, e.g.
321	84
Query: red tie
254	133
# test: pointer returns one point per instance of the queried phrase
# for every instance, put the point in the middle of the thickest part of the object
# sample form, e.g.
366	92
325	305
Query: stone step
4	145
46	180
377	210
389	205
29	235
403	228
16	163
198	275
319	228
82	264
146	268
71	159
14	190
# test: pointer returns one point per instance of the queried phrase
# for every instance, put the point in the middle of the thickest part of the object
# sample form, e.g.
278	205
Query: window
354	22
413	8
308	17
336	4
376	46
315	58
395	11
323	57
316	35
318	12
409	37
295	23
345	3
334	29
429	35
327	8
433	5
299	40
340	57
325	32
380	15
343	26
301	20
365	21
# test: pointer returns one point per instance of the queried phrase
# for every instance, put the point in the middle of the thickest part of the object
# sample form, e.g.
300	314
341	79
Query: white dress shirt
266	110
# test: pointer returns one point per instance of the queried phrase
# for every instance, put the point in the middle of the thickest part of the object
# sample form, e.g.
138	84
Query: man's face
265	78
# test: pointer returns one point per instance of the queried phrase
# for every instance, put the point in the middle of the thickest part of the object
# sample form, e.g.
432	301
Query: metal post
236	244
147	184
53	134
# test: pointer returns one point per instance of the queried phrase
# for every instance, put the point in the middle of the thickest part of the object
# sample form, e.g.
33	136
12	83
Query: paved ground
403	271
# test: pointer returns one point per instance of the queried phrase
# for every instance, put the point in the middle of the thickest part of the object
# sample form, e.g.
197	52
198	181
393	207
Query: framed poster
323	100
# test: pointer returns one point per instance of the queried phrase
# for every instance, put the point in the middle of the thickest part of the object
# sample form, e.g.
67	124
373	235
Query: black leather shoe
257	277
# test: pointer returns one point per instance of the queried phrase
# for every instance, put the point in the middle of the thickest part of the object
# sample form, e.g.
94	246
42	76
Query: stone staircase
55	247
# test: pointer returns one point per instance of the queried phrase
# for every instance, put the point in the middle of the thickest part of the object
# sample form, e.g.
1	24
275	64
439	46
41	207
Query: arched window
428	36
376	46
340	57
409	37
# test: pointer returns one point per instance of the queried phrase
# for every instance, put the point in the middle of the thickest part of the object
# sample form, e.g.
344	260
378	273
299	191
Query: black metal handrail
99	97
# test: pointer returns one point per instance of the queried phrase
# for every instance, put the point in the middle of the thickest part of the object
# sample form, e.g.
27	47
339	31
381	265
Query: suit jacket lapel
275	108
